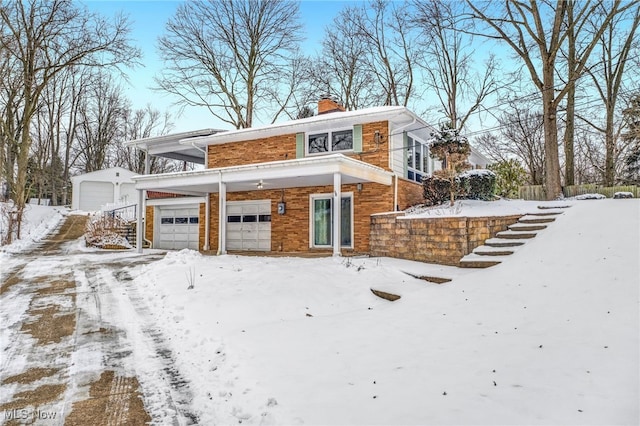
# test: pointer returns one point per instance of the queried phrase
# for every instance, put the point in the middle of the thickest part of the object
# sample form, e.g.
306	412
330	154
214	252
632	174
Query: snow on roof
313	123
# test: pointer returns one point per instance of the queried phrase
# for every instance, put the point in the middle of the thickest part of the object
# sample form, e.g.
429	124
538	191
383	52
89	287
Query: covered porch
334	171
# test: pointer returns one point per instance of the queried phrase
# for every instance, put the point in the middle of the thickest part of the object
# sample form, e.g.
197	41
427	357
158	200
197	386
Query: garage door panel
178	228
95	194
249	225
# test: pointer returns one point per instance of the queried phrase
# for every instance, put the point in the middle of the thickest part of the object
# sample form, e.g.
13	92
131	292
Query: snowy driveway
66	358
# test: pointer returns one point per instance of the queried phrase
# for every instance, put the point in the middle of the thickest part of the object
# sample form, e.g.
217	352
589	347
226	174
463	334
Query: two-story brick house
276	188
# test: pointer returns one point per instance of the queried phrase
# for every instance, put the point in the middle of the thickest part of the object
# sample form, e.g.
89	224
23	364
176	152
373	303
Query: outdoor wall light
359	187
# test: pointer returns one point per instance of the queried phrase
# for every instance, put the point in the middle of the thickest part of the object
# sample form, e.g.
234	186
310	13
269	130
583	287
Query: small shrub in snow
191	278
590	197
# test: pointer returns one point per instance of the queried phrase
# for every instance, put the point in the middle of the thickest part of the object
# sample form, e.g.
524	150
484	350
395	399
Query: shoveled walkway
65	359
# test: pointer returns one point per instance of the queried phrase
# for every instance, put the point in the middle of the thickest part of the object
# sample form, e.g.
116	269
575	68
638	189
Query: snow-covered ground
551	336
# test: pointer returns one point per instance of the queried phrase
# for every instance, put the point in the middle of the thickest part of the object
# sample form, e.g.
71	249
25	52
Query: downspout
395	175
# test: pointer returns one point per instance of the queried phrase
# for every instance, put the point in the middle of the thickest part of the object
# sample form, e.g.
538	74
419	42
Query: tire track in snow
178	393
134	342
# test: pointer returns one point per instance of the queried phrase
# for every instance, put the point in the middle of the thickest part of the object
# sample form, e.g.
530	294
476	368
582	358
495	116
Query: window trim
424	153
329	136
324	196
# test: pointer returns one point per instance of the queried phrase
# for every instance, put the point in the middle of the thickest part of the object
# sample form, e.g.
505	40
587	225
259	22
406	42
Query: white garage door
249	225
178	228
94	195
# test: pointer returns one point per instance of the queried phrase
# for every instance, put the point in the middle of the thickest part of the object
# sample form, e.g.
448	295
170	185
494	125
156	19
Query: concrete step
543	213
536	219
553	207
385	295
431	279
486	250
477	261
523	227
504	242
516	235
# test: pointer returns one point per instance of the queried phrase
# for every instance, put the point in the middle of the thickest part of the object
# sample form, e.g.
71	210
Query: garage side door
94	194
249	225
178	228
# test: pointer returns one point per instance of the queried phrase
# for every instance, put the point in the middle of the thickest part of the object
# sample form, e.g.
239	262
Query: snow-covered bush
476	184
590	197
510	176
106	232
435	190
623	194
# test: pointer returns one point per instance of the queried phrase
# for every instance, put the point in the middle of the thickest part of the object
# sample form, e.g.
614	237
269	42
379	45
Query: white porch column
222	218
337	207
207	221
147	163
139	223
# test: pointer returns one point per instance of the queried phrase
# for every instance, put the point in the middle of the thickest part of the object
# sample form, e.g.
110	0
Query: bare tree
138	124
536	31
339	70
45	37
100	124
521	136
227	55
391	48
608	77
460	85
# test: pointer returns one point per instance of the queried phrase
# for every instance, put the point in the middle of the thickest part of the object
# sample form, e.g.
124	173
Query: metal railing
126	213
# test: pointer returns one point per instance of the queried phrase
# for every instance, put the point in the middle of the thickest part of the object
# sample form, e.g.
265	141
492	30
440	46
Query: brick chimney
327	105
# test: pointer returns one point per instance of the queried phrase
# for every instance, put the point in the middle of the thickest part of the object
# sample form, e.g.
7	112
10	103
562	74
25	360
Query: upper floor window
337	140
417	159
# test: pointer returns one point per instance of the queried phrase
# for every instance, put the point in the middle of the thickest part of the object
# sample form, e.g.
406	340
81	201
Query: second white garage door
95	194
249	225
178	228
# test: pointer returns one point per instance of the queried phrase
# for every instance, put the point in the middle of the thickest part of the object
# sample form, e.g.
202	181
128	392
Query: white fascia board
175	180
179	201
145	143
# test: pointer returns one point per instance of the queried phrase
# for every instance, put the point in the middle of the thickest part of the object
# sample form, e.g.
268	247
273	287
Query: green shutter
357	138
299	145
405	141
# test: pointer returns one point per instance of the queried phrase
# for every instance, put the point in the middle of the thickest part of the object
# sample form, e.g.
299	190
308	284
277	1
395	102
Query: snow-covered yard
551	336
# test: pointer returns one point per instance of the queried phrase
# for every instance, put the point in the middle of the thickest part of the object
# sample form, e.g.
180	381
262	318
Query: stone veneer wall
442	240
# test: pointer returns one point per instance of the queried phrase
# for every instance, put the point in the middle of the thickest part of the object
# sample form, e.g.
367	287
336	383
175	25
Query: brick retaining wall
443	240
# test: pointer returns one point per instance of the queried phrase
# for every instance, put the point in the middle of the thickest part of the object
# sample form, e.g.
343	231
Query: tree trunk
610	151
552	185
569	156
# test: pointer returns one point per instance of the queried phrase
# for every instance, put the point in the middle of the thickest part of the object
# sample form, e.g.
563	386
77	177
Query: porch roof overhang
177	146
303	172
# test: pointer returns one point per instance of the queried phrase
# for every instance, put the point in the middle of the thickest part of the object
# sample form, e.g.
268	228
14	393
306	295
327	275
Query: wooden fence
536	192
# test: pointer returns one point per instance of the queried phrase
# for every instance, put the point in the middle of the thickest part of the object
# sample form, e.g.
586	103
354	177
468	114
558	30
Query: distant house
91	191
307	185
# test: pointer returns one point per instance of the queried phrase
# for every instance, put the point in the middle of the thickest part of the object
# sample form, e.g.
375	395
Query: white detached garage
93	190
